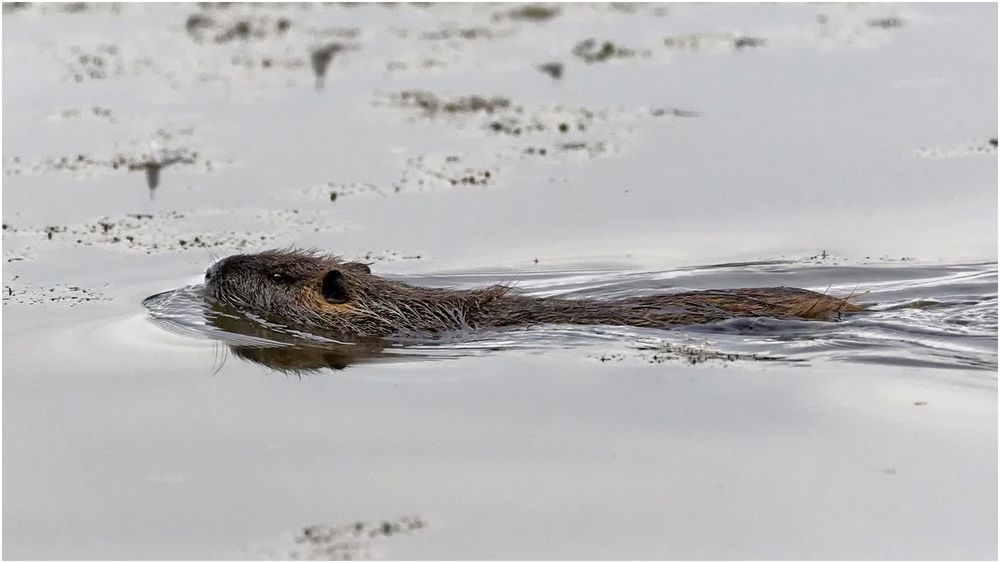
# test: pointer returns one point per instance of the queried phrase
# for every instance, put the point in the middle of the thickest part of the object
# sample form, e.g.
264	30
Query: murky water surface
587	151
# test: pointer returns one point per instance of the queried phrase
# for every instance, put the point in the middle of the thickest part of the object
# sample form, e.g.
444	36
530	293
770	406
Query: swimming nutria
309	289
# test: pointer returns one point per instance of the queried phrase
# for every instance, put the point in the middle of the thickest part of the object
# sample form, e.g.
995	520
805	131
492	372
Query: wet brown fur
288	286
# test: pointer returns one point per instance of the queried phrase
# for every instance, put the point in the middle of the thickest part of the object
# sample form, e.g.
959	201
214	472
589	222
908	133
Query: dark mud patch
70	114
89	165
529	12
987	147
578	151
558	133
441	47
694	355
464	33
252	41
672	112
373	256
432	106
500	115
359	540
335	191
850	29
564	120
747	42
166	148
59	294
262	62
555	70
204	28
97	63
690	355
346	33
593	51
887	23
713	41
109	61
174	231
417	62
433	171
11	8
285	43
422	173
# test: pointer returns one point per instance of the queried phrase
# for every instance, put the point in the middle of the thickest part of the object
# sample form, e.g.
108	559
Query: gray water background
849	152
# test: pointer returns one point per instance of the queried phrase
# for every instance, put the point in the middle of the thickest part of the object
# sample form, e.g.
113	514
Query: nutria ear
334	290
357	267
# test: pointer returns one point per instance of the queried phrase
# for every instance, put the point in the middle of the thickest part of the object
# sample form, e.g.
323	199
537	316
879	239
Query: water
840	148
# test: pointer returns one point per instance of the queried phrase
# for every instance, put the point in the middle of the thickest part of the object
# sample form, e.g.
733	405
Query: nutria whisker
219	355
805	314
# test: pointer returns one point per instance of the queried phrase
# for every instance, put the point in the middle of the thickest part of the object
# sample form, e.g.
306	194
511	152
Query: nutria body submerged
308	289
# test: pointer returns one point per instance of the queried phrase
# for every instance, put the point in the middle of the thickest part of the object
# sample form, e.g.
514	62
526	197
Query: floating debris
202	27
337	543
553	69
985	148
746	42
714	41
591	52
173	232
432	105
694	355
197	24
460	33
887	23
60	294
530	12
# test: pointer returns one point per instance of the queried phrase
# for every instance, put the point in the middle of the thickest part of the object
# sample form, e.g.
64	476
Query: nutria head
284	284
313	290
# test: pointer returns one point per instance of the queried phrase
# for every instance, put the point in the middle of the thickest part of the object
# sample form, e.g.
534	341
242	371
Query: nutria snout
313	290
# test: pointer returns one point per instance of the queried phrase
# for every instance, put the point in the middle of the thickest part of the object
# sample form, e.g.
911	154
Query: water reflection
321	58
152	169
152	166
288	352
188	311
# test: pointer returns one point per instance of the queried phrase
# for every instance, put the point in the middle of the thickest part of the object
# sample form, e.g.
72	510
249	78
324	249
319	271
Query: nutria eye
279	278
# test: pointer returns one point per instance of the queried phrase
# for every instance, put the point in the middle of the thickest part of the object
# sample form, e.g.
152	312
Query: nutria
313	290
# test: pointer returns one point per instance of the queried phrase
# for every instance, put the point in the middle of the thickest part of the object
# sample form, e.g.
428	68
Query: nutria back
320	291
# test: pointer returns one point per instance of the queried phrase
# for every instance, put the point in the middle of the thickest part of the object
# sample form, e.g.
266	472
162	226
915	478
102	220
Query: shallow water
847	149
